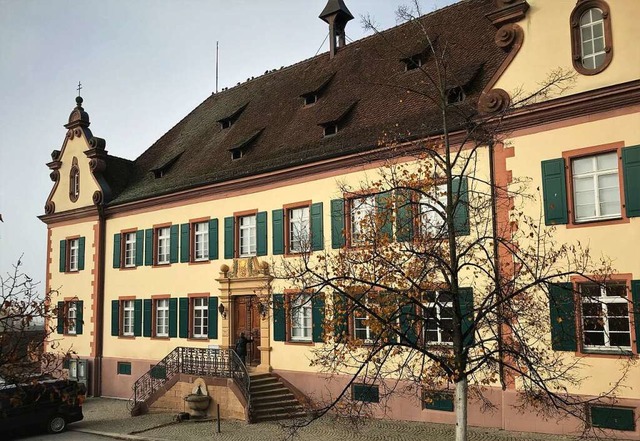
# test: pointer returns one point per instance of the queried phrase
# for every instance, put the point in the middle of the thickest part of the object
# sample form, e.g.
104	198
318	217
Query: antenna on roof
216	67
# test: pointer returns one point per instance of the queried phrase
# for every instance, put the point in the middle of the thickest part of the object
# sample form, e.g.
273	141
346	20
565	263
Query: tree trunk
461	409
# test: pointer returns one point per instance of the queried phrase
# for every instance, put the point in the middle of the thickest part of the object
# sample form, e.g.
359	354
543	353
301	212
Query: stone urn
198	402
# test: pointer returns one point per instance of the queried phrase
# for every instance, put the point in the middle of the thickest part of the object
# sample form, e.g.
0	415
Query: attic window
236	154
330	130
226	123
230	119
455	95
310	99
412	63
162	170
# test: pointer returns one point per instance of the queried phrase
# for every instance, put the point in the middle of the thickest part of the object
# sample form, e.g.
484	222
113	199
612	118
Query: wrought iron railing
192	361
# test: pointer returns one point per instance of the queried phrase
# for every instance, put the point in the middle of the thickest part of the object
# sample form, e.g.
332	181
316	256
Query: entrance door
247	320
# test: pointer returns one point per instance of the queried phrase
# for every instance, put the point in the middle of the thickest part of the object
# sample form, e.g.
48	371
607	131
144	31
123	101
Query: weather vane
79	87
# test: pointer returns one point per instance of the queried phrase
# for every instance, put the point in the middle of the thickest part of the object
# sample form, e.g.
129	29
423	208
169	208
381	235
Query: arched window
74	181
592	48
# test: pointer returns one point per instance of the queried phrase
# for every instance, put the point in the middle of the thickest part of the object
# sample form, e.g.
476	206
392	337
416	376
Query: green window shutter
184	243
116	250
635	297
404	216
148	247
277	222
554	192
81	246
460	190
213	317
115	318
173	246
60	318
407	325
213	239
137	317
184	317
631	174
279	318
317	227
173	318
466	308
147	324
365	393
261	233
340	316
385	210
229	237
563	317
79	317
337	224
63	256
617	418
317	317
139	247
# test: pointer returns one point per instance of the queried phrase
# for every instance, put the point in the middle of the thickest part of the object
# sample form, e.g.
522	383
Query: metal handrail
192	361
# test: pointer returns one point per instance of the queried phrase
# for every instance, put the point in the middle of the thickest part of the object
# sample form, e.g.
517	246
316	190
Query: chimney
337	15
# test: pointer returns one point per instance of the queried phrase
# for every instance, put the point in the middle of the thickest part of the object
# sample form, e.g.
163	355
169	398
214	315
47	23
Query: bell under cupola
336	14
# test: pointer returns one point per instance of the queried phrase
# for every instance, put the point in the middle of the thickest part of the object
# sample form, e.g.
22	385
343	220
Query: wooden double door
246	318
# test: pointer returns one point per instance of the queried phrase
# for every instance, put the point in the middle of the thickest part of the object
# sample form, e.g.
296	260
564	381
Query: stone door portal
247	319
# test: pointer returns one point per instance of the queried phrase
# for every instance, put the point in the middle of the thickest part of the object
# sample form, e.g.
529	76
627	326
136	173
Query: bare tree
435	293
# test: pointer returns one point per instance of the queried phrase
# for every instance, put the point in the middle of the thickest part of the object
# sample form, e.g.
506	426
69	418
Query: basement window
330	130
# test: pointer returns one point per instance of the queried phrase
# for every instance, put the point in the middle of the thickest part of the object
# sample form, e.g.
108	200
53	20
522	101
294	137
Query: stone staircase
272	400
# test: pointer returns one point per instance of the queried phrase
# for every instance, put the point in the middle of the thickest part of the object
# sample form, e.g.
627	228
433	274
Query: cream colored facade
583	121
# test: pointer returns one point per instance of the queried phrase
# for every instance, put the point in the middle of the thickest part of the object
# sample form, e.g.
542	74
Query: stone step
267	405
261	381
260	375
267	387
285	396
282	416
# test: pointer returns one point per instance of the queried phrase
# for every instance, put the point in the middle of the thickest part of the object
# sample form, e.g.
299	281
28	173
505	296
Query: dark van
50	404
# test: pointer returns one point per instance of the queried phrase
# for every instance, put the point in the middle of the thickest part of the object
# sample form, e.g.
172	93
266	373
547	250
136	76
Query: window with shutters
298	230
596	187
246	235
162	318
605	316
163	245
591	40
362	219
71	312
200	317
129	244
301	317
73	246
200	241
72	254
127	318
432	209
360	320
438	314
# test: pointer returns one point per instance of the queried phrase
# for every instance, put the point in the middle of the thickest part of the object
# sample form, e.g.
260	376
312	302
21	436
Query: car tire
56	424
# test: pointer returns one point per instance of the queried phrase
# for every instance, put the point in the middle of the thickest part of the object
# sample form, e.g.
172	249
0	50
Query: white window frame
201	241
299	229
362	216
200	314
436	306
74	248
164	245
432	216
591	26
75	183
127	318
359	316
162	318
605	301
301	318
72	315
594	177
247	235
129	250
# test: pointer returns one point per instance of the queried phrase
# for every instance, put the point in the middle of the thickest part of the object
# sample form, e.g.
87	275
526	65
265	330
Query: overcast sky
144	64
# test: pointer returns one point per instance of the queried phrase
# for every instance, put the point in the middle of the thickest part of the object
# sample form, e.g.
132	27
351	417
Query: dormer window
231	118
414	62
310	99
238	150
330	130
162	169
236	154
591	43
74	181
226	123
455	95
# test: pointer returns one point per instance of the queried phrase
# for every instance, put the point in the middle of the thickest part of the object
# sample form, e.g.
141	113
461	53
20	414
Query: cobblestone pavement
111	416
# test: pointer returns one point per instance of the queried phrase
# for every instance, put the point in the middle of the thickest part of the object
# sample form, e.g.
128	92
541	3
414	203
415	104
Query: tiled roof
368	72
